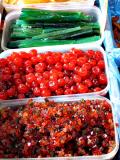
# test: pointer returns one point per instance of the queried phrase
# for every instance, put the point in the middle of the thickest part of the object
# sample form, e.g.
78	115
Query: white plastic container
73	99
17	7
65	48
93	11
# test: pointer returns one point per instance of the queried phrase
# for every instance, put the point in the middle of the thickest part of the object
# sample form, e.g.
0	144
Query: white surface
93	11
73	99
64	48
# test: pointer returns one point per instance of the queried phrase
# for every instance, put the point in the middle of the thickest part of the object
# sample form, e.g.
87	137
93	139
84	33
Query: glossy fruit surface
51	73
50	129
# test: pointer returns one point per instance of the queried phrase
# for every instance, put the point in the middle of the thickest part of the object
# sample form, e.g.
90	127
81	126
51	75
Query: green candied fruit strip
53	16
37	43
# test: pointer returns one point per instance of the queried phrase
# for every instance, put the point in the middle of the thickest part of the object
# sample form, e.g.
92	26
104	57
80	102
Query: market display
52	129
52	73
116	29
42	28
50	103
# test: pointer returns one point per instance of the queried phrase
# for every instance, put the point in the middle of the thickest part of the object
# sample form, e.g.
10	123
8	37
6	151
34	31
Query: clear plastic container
65	48
93	11
49	4
73	99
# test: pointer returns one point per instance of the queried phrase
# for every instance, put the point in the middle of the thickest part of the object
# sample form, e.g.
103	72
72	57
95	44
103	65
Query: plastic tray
74	99
10	7
63	49
94	11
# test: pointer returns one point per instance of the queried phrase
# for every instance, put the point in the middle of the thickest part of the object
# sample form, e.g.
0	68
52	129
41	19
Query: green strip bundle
43	27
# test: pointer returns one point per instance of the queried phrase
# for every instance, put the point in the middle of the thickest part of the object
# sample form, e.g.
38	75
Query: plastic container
63	49
93	11
52	4
73	99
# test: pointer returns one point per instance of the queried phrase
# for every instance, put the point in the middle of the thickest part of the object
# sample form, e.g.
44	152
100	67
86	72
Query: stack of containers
113	56
96	46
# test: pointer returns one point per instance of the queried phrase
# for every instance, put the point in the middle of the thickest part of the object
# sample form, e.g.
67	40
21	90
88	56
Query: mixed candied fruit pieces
51	129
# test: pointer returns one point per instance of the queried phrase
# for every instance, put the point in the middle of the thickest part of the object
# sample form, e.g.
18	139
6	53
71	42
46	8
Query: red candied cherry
46	74
60	74
17	76
87	66
61	82
70	82
34	60
24	55
57	56
96	151
65	58
59	66
81	60
71	66
39	79
76	78
96	70
29	69
53	85
30	78
44	84
76	69
88	82
6	70
53	76
66	78
22	88
73	89
15	68
97	89
5	77
45	93
38	74
3	95
83	72
81	141
33	52
11	92
18	81
35	84
66	86
77	52
21	96
49	67
82	88
50	59
40	67
41	57
90	53
3	62
92	62
101	64
18	61
66	66
95	82
28	63
59	91
102	79
67	91
98	55
37	91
